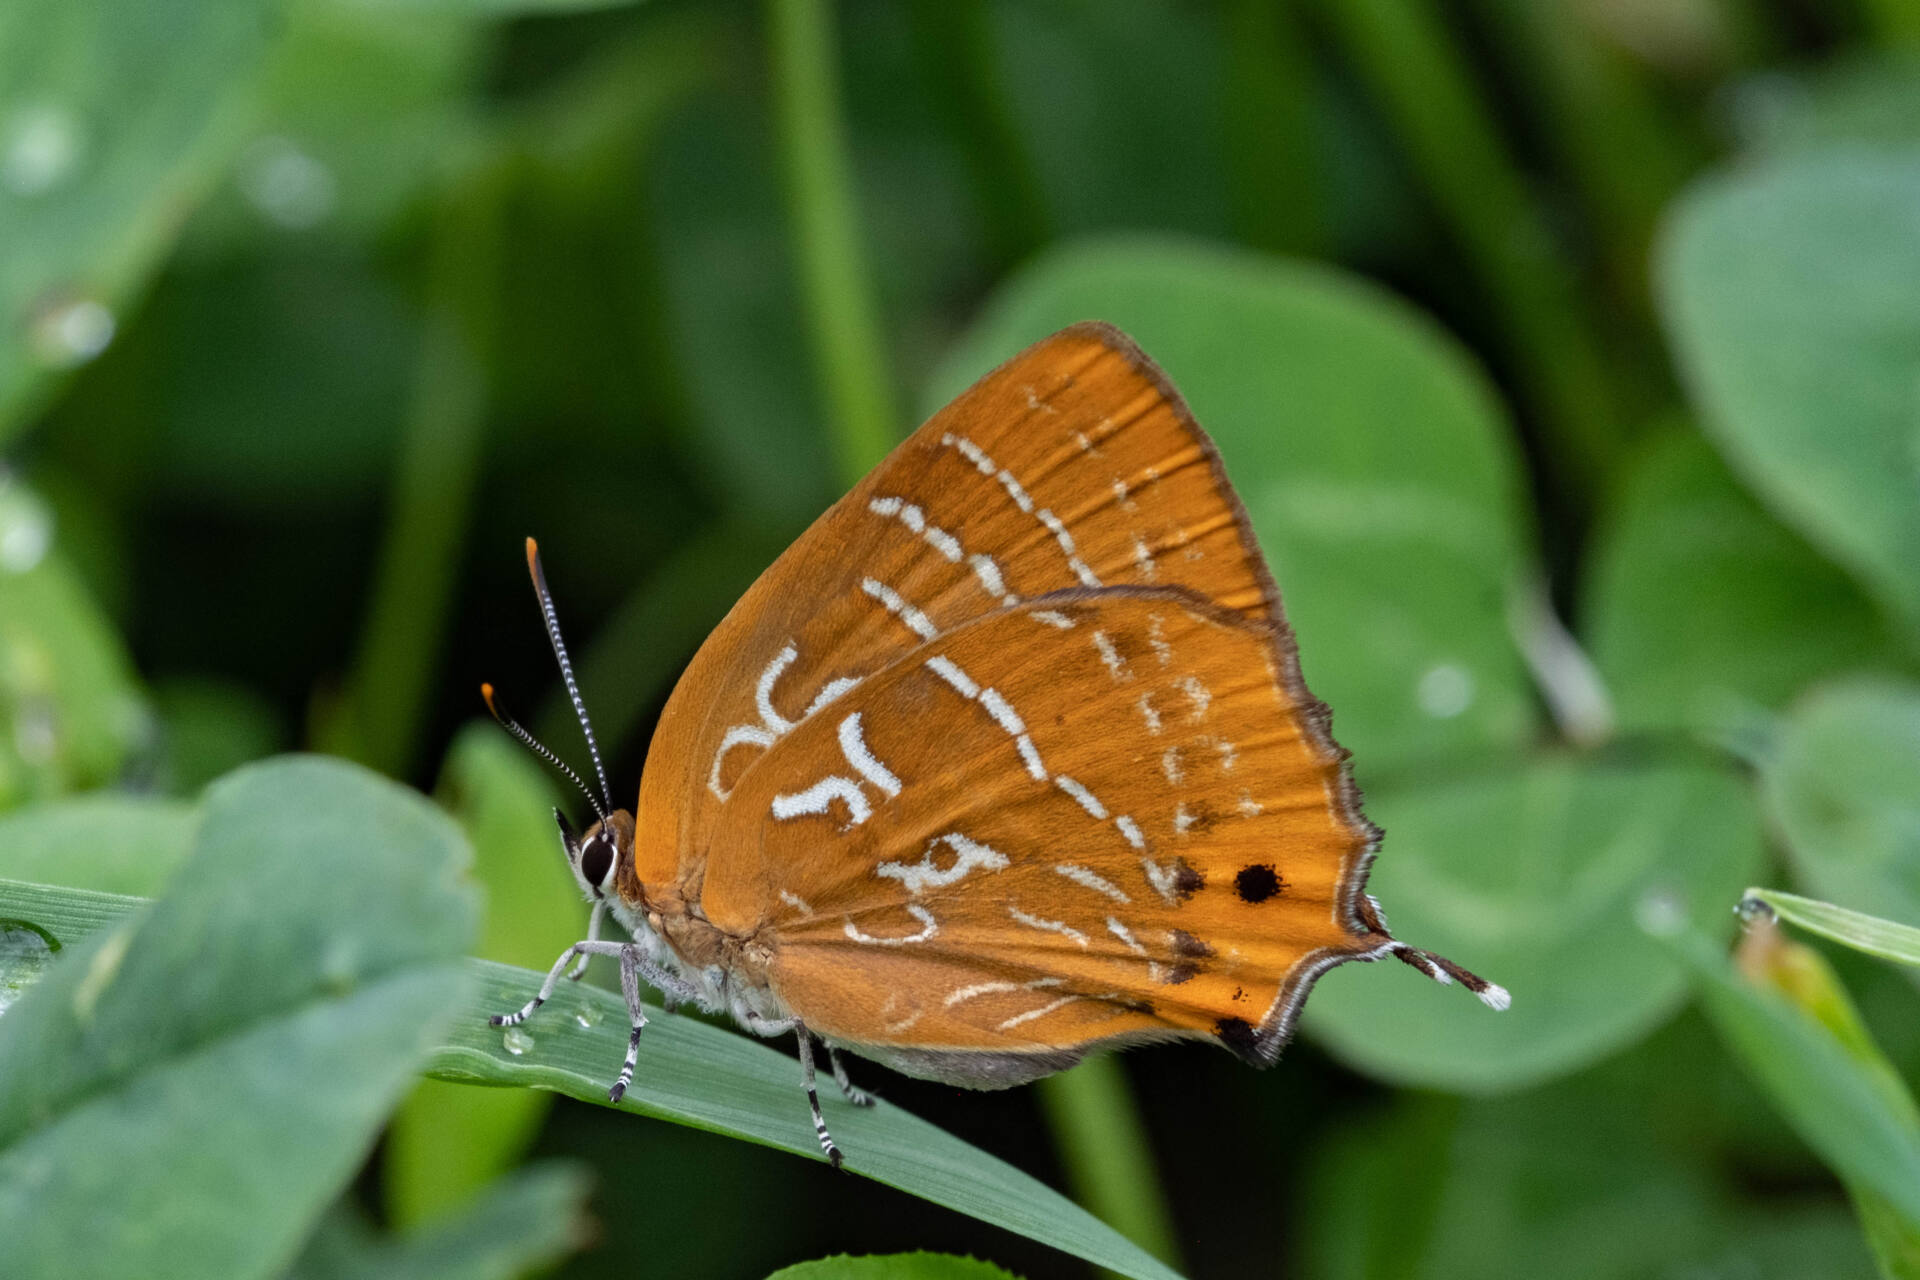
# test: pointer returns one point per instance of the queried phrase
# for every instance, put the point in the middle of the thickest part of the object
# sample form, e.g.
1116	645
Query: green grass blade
1836	1106
849	355
1876	937
1102	1140
697	1075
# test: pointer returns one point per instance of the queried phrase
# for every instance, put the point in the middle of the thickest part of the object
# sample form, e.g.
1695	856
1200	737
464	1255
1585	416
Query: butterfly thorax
727	969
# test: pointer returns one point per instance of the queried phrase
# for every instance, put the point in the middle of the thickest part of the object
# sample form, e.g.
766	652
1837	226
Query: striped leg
813	1097
593	935
582	949
630	988
857	1096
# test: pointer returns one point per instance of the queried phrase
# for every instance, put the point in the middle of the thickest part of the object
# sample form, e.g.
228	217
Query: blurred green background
1566	354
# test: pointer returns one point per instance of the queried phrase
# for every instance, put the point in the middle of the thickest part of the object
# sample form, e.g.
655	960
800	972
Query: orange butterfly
1006	760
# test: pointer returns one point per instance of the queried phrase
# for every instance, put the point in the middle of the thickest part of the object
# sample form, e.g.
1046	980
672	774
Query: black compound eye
596	859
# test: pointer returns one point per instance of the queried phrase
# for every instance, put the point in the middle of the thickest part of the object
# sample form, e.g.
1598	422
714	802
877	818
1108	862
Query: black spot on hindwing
1257	883
1238	1035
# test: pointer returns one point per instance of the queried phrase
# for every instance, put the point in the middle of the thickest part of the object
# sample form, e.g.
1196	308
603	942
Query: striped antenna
532	744
566	667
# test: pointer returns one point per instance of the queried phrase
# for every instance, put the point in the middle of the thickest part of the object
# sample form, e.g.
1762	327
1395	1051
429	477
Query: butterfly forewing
1092	817
1073	466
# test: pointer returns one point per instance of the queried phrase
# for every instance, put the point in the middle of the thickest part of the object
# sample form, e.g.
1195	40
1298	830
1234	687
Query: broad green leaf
112	841
1370	454
365	108
893	1266
522	1222
1530	877
1857	100
694	1074
1836	1104
1842	785
67	687
1877	937
1776	964
1699	607
1789	294
215	1065
108	135
446	1143
1575	1181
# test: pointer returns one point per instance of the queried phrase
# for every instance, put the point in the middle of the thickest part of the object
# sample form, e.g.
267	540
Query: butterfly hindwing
1096	817
1073	466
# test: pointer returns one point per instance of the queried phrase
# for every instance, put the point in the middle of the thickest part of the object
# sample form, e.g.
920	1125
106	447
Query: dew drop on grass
25	953
1445	691
588	1016
516	1041
41	148
26	527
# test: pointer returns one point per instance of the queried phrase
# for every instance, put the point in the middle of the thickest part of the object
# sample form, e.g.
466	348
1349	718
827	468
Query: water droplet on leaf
40	149
25	953
516	1041
1445	690
72	331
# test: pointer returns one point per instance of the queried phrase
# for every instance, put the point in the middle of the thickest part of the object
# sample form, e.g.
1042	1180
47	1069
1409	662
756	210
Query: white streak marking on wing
1116	665
1148	714
920	913
914	620
1060	534
817	798
1023	500
853	745
924	874
1229	755
1050	926
1158	640
1249	806
973	452
1125	935
1131	830
1088	801
1031	1014
1182	819
1171	766
1143	557
913	517
763	691
961	994
834	689
987	570
1198	695
738	734
948	670
1121	494
1052	618
945	543
795	901
1161	878
1031	755
1002	711
1091	879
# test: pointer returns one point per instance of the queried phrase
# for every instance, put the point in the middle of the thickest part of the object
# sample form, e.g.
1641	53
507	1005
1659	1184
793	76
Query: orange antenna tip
486	696
533	553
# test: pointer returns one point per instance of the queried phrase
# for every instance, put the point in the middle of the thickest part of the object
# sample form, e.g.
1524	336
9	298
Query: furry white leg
857	1096
630	962
587	948
827	1148
594	922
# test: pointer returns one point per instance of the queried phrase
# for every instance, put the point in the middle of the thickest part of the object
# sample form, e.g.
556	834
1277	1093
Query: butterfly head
597	857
